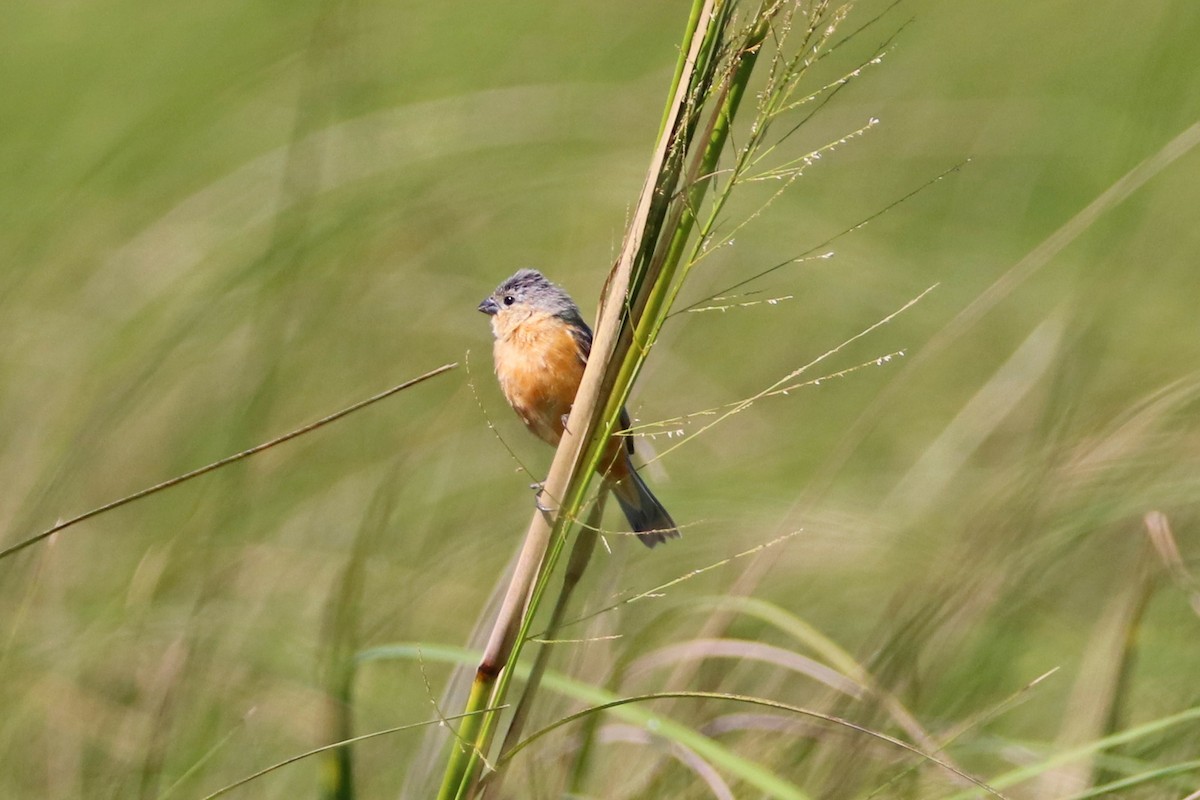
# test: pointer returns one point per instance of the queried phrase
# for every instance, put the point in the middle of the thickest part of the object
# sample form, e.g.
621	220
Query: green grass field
222	221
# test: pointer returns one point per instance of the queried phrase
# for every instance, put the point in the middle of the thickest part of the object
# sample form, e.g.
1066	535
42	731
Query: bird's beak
489	306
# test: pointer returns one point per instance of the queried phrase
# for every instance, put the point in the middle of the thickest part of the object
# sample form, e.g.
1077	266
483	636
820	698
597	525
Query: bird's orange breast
539	367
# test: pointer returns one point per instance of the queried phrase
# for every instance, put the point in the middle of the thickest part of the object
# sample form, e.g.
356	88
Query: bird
541	347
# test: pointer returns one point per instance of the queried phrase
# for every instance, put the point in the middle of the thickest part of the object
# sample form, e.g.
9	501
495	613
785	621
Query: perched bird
542	345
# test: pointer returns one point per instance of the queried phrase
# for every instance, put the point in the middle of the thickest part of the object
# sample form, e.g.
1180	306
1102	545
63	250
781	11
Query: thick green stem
462	752
688	33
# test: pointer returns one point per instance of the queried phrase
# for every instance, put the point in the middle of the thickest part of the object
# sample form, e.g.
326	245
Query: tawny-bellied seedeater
541	347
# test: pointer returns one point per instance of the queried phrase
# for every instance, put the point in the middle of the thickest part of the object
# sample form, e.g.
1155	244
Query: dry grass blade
196	473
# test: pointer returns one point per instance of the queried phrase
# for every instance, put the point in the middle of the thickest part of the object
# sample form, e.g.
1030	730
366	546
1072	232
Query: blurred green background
223	220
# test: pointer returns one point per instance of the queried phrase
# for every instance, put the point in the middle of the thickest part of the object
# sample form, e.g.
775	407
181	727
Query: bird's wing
582	335
626	424
580	332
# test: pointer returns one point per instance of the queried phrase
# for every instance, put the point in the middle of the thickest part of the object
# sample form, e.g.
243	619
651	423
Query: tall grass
976	560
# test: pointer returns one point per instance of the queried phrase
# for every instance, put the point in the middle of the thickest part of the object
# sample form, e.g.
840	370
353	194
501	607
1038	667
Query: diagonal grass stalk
196	473
581	553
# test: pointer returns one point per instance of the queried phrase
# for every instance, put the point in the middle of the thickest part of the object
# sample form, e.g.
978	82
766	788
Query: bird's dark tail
646	515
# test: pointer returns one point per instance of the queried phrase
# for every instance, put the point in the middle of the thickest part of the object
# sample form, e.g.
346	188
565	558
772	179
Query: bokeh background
222	220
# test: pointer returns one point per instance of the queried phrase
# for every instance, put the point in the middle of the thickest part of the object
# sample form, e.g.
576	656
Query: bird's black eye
509	299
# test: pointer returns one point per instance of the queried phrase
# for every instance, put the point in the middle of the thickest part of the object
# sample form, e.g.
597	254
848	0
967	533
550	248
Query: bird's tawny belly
539	371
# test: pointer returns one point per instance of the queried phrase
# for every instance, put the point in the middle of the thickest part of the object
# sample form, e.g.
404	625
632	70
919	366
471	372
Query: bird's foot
538	487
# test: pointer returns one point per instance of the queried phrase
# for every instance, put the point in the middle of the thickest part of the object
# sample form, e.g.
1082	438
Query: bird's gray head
527	292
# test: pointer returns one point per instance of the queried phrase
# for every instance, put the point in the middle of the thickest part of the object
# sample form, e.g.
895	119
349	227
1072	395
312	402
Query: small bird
542	345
